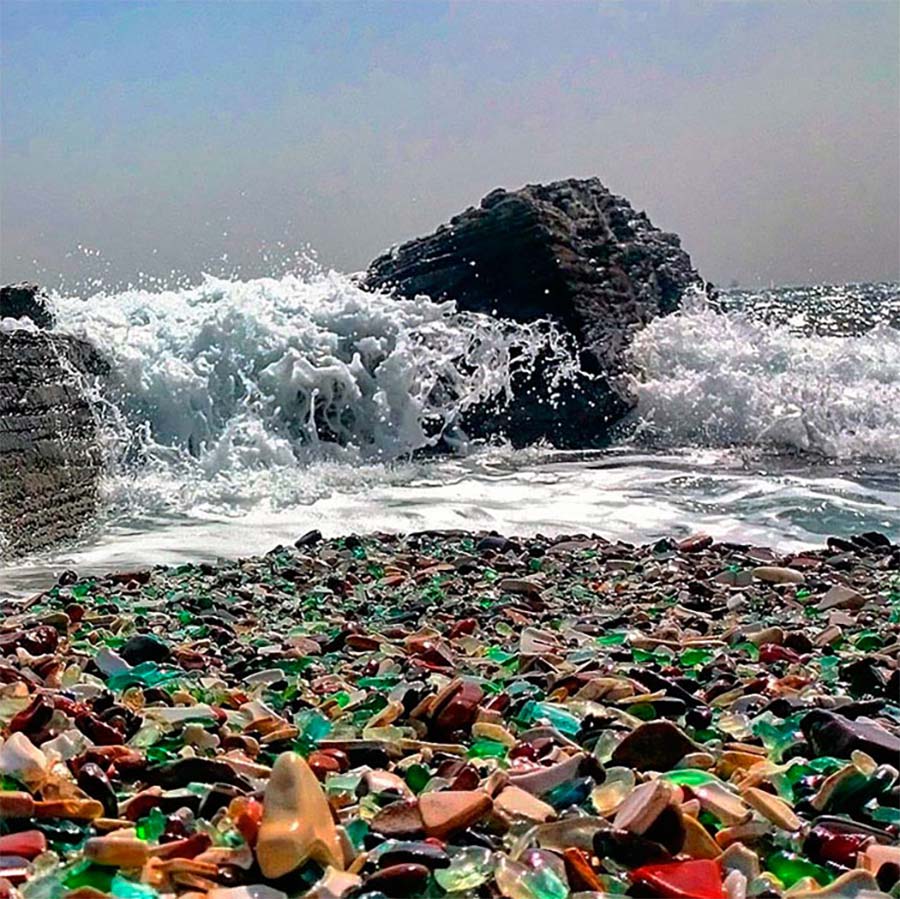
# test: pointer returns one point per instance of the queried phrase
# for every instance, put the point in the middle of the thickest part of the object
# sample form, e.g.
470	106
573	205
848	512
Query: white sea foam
9	325
722	379
230	392
235	395
214	455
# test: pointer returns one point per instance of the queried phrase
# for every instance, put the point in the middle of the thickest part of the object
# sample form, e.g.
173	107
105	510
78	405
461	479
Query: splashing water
717	379
217	392
242	413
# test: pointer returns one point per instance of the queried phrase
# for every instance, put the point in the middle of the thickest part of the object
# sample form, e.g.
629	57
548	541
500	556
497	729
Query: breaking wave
232	394
231	391
719	379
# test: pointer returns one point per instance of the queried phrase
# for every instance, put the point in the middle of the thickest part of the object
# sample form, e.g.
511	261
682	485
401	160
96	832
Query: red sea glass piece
697	879
247	815
322	765
25	844
31	719
189	847
462	708
463	627
831	846
771	652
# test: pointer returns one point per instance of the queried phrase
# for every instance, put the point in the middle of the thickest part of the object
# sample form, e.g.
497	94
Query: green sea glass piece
87	874
690	777
565	722
385	682
642	710
789	868
124	888
544	883
613	638
691	658
356	831
416	777
777	735
146	674
487	749
469	868
152	827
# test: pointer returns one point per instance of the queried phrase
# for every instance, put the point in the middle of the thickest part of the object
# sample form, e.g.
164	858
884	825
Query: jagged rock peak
571	250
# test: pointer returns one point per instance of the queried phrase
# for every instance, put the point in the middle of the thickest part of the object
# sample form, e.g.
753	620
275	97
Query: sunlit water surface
240	414
636	497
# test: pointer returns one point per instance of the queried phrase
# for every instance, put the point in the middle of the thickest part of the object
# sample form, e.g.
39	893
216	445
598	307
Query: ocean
240	414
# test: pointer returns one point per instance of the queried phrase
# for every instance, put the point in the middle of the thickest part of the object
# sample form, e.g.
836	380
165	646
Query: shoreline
626	493
525	716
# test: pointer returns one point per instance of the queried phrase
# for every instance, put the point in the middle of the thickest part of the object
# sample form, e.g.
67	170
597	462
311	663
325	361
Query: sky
139	139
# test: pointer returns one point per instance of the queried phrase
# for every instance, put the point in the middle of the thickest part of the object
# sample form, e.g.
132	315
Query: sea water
240	414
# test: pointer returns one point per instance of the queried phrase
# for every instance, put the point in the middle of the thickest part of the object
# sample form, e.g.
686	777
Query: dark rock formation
25	301
571	251
50	451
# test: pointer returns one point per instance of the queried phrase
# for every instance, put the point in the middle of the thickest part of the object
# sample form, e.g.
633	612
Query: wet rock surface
571	251
456	715
50	450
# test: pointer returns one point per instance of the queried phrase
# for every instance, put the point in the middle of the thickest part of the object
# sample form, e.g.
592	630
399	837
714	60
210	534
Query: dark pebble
653	746
144	648
310	538
832	734
399	880
629	849
174	775
93	780
493	542
416	853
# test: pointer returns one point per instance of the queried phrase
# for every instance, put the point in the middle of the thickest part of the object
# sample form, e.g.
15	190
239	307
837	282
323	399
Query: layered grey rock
50	450
572	251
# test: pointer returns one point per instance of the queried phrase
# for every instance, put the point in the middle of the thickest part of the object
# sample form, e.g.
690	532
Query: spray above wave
284	390
724	379
229	384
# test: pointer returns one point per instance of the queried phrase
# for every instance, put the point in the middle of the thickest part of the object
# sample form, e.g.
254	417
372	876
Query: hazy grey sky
170	135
